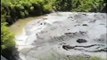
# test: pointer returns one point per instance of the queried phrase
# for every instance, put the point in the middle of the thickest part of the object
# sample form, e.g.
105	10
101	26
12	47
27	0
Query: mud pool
65	36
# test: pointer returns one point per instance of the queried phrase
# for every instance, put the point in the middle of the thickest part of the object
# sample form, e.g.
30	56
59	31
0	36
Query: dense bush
80	5
63	5
7	38
88	5
14	9
7	41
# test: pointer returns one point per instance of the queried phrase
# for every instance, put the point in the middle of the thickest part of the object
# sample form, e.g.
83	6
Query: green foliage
88	5
7	38
80	5
14	9
7	42
63	5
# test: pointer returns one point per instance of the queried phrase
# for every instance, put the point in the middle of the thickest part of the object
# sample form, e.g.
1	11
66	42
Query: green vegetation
7	38
7	41
63	5
12	10
88	5
15	9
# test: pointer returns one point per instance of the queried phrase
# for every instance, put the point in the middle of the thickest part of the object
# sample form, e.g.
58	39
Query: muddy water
17	28
64	36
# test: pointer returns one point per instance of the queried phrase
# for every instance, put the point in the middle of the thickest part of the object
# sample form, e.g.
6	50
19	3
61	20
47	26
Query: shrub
88	5
7	38
63	5
15	9
7	42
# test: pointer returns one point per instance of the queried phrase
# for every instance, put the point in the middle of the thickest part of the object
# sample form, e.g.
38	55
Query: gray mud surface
65	36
